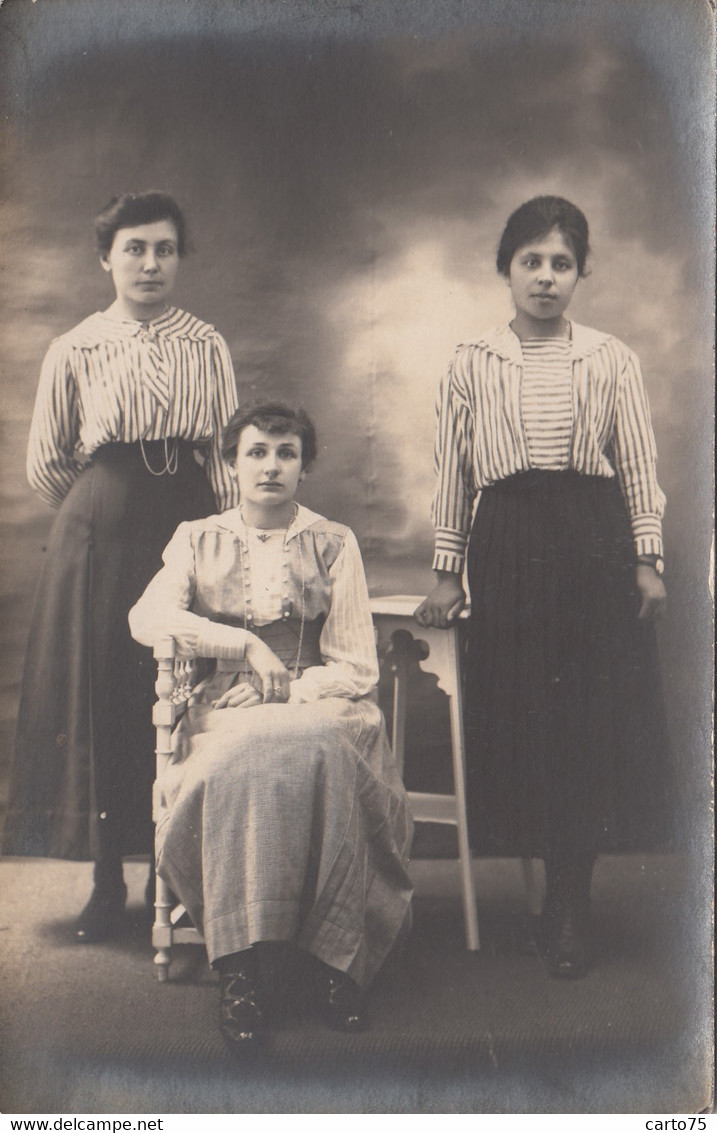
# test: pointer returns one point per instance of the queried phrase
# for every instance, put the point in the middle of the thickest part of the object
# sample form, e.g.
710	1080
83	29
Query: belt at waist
294	645
547	480
157	453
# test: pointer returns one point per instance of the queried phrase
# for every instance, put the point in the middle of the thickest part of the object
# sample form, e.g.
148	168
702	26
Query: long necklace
287	605
171	462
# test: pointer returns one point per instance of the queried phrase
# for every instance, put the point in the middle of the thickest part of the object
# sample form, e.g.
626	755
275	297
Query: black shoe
243	1022
339	1001
563	944
102	915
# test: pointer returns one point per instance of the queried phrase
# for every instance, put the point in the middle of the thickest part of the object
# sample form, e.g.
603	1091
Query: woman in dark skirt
125	442
546	462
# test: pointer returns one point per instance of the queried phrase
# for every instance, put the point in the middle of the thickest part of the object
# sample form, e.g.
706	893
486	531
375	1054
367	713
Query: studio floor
88	1029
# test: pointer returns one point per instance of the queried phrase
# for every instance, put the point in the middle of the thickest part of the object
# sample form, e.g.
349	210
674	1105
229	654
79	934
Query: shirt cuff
647	533
226	643
449	550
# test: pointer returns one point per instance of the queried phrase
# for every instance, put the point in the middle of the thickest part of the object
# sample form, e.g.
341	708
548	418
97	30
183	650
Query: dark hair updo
535	219
276	419
131	209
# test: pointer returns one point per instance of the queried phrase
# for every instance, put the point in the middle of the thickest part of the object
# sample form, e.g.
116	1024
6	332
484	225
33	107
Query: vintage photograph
356	512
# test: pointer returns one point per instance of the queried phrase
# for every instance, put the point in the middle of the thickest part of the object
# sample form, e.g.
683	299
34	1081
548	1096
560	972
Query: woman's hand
272	674
652	591
444	603
239	696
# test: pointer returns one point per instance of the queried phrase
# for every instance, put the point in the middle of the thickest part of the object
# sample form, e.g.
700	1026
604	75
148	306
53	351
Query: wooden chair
399	636
173	687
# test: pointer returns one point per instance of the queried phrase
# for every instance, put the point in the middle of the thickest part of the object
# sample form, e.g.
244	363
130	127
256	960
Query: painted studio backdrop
346	171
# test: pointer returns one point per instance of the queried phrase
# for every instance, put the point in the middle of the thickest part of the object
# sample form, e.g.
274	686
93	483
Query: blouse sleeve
226	489
347	643
453	463
164	610
636	461
51	464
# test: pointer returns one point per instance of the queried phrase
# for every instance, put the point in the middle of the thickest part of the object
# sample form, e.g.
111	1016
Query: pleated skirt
84	751
567	747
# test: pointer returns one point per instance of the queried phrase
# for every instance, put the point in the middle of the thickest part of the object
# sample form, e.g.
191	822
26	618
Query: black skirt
84	751
567	746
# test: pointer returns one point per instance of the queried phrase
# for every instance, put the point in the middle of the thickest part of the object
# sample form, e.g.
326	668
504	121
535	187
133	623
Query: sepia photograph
356	527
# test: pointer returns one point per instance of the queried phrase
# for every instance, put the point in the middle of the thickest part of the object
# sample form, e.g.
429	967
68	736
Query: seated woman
286	819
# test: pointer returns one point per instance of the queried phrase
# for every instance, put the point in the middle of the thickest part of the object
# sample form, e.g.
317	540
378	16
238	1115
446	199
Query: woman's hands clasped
444	603
271	674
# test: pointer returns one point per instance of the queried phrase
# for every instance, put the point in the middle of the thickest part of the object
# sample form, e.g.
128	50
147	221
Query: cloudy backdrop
346	169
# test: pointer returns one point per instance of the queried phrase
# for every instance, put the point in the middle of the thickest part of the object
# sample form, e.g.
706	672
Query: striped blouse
547	402
117	380
199	598
481	435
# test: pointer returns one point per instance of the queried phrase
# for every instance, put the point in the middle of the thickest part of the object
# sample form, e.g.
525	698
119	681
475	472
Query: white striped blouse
547	403
481	435
117	380
199	596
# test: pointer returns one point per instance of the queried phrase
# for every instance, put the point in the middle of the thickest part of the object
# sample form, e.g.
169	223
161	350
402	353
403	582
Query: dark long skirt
84	761
565	728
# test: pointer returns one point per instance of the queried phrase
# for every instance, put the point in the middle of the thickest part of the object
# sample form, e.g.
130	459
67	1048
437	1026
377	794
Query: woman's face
143	262
268	468
543	276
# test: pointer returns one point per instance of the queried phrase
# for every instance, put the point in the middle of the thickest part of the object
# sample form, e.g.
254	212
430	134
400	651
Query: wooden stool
437	652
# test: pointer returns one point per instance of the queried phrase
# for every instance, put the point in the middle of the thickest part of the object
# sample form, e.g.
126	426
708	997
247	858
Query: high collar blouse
112	379
200	598
481	438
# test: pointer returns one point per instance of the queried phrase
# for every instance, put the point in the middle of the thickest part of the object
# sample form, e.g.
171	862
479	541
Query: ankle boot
243	1022
563	928
102	915
339	1001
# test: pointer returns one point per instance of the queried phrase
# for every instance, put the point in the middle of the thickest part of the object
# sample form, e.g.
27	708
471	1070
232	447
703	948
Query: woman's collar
505	342
134	326
233	521
105	326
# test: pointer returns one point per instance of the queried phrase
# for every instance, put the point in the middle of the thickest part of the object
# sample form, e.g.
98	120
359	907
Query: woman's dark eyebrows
155	243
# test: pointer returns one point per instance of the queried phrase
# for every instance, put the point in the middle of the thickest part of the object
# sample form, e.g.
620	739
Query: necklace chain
171	462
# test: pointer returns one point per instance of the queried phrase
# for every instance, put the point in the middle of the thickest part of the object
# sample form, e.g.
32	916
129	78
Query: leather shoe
339	1001
242	1018
563	945
102	915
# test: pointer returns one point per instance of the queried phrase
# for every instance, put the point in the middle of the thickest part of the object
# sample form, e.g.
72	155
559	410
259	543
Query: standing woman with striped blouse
125	442
546	461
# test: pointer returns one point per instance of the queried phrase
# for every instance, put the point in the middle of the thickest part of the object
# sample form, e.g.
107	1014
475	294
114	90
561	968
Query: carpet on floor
89	1029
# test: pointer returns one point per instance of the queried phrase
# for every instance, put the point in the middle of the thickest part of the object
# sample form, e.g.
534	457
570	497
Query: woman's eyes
559	265
162	250
282	453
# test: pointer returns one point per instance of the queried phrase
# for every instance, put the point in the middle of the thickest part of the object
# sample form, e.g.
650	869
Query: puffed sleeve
455	495
347	643
164	610
636	460
224	405
52	466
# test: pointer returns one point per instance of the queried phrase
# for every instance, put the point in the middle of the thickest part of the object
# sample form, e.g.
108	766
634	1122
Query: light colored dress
283	821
